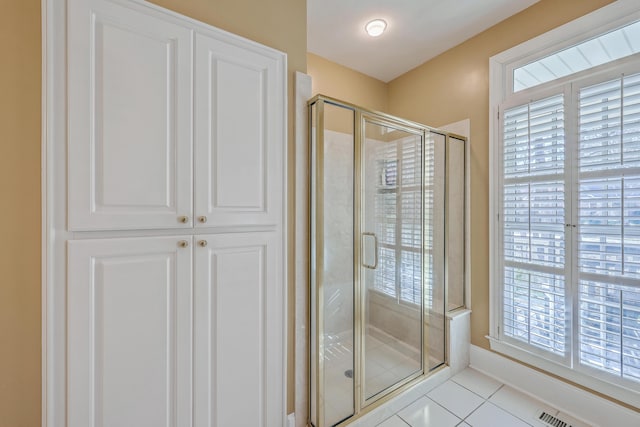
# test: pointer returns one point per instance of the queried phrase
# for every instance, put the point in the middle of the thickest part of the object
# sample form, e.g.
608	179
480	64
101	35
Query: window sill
623	394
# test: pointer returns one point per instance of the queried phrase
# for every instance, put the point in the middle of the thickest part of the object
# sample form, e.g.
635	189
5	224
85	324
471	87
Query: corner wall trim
569	399
301	248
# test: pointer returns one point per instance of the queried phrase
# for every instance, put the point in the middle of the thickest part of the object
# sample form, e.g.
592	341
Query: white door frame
53	211
302	223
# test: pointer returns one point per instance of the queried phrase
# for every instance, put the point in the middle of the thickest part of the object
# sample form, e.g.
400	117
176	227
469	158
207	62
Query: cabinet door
240	133
129	347
130	118
239	334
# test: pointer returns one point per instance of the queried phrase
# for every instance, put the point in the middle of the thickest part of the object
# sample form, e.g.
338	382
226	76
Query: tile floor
471	399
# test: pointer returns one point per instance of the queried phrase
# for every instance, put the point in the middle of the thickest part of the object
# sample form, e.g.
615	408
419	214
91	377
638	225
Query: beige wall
277	23
20	214
281	24
455	86
345	84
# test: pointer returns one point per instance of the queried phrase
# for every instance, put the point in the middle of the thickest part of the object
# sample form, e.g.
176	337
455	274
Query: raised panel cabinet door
239	331
239	133
129	332
130	118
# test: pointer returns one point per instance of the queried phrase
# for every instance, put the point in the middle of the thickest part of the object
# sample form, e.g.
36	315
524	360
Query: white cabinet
238	337
239	128
129	329
130	119
140	310
133	117
176	137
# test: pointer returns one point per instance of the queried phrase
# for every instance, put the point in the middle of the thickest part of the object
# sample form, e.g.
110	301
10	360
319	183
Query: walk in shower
387	255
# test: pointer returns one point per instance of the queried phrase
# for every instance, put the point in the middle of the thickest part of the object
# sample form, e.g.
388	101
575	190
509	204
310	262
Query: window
605	48
536	188
607	230
398	215
565	261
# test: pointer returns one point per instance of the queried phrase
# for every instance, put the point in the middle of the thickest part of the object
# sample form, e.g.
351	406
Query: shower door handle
375	251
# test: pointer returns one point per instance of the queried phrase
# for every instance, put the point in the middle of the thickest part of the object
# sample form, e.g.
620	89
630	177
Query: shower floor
385	365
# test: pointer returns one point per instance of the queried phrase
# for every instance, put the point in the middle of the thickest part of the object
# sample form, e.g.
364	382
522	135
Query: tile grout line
405	407
514	414
401	419
487	400
470	413
495	392
468	389
503	410
483	374
443	407
462	420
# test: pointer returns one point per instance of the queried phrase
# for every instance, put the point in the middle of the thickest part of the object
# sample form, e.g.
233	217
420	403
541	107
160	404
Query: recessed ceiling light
376	27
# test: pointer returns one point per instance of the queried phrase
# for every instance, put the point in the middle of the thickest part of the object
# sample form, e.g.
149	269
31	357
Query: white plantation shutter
411	220
385	217
609	227
534	306
398	219
533	225
609	329
428	224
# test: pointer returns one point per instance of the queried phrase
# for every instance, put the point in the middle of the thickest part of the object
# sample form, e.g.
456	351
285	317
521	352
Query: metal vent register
551	420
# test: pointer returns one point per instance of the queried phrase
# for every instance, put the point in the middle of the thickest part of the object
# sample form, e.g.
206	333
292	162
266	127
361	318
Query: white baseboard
291	420
565	397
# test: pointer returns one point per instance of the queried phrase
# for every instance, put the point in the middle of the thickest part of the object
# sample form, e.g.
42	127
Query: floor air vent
551	420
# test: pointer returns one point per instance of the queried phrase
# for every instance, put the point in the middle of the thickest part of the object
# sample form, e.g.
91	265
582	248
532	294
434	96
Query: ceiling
417	30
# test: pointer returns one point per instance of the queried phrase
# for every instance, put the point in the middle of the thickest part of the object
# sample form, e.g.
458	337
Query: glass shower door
377	265
392	268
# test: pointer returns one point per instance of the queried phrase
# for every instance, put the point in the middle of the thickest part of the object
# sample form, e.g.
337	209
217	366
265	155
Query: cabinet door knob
183	219
183	244
202	219
202	243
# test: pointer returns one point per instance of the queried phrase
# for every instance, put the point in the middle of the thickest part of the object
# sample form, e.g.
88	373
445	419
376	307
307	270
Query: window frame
501	95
